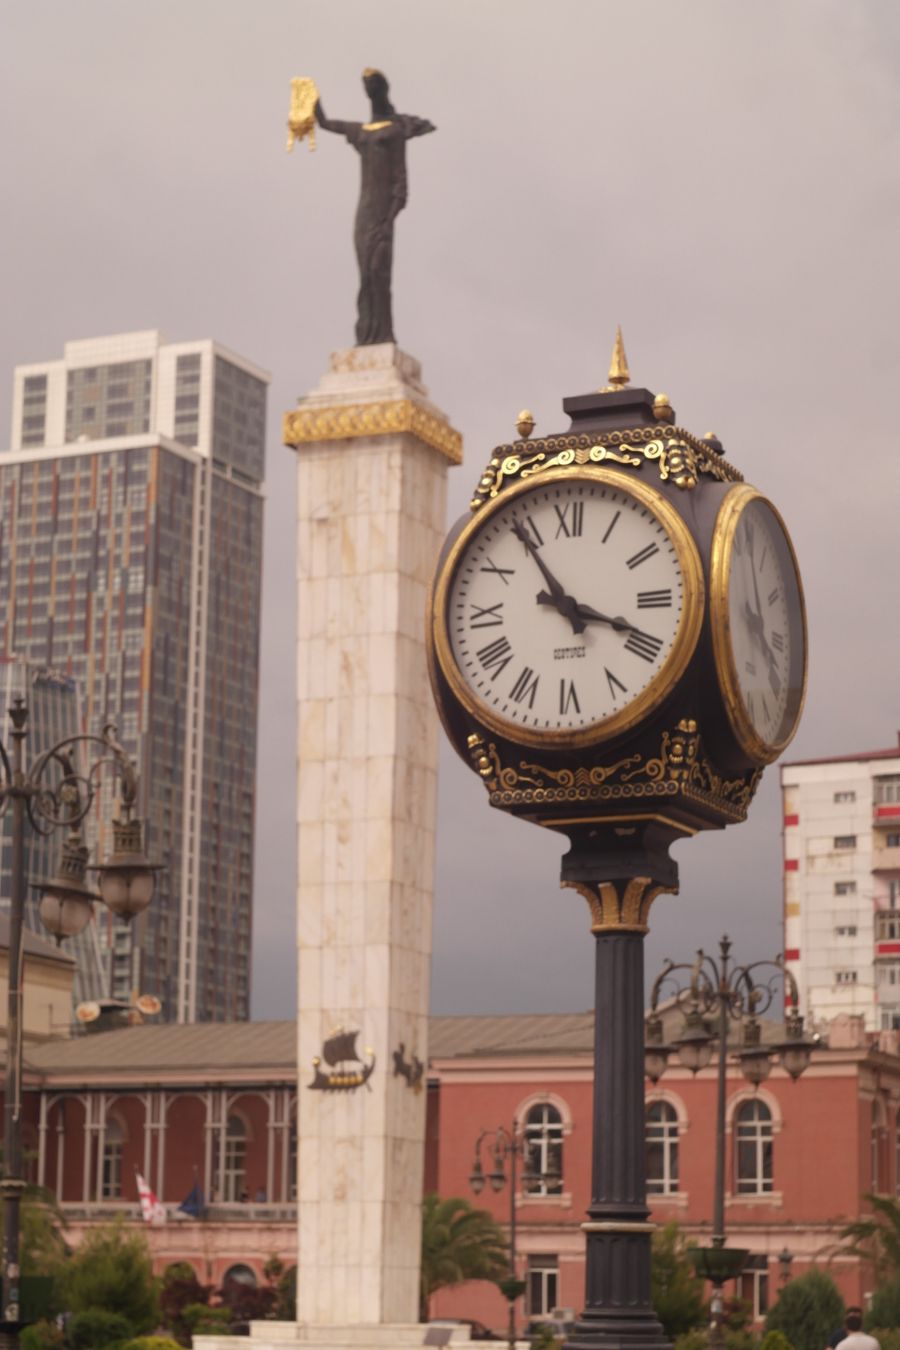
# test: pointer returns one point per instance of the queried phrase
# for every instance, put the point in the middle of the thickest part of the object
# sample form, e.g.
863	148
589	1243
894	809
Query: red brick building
216	1103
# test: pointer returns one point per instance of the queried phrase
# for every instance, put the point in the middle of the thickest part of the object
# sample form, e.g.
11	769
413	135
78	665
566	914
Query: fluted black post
618	1313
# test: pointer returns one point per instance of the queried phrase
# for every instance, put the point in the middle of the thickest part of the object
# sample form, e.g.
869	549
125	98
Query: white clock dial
567	603
765	652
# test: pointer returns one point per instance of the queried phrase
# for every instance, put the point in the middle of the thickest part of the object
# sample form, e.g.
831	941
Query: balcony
886	815
886	860
106	1211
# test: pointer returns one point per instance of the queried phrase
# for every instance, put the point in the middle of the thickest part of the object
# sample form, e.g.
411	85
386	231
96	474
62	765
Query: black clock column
620	876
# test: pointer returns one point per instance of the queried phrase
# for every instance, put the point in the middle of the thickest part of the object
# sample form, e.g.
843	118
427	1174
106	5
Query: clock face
568	609
759	630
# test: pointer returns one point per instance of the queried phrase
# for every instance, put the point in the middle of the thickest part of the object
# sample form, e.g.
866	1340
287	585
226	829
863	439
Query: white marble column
372	459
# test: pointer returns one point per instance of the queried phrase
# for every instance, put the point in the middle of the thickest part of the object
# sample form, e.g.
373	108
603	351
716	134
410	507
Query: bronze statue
381	144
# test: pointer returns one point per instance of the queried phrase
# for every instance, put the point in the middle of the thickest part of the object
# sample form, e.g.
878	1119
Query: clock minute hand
564	604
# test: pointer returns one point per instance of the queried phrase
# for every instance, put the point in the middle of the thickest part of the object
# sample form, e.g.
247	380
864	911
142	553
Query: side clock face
567	610
758	623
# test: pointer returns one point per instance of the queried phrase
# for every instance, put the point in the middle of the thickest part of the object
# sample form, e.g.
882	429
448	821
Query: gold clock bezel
729	514
666	677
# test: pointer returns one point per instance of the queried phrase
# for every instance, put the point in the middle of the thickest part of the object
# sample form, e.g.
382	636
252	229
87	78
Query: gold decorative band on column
619	1227
346	421
620	906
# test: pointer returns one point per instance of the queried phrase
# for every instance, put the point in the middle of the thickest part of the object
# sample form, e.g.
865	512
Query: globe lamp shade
127	891
64	913
127	878
695	1047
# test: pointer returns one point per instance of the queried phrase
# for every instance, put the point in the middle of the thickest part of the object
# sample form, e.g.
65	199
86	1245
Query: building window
240	1274
753	1154
887	788
845	976
543	1151
845	930
887	925
113	1145
232	1178
752	1285
875	1138
845	797
892	840
845	841
845	888
543	1280
662	1148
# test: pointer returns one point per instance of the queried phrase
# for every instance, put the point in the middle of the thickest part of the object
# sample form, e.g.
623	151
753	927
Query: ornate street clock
617	629
618	648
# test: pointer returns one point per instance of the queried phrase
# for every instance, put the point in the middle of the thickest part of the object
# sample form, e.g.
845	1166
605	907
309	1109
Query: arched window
543	1150
753	1148
662	1148
240	1274
875	1146
113	1146
233	1177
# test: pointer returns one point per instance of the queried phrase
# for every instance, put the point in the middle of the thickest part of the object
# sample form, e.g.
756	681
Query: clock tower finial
619	374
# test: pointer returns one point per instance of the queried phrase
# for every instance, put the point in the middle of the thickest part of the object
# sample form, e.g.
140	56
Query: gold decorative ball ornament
525	423
663	409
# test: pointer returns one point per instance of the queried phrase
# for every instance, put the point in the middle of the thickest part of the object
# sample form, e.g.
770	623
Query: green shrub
112	1270
775	1340
692	1340
41	1336
96	1328
809	1310
884	1310
675	1290
151	1343
887	1337
201	1320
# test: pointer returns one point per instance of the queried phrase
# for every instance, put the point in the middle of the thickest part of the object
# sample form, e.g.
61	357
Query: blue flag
193	1204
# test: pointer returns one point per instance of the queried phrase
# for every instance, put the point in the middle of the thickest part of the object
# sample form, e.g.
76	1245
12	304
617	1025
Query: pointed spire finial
619	374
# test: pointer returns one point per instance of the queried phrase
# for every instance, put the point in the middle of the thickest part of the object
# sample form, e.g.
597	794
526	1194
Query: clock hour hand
757	628
564	604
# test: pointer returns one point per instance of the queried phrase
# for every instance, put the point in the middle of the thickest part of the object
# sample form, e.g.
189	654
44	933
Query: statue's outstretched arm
417	126
349	129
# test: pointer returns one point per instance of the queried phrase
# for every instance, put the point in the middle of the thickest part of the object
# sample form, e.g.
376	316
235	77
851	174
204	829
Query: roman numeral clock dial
758	624
569	607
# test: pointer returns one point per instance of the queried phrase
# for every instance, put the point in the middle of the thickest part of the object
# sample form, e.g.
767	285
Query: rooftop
34	944
861	755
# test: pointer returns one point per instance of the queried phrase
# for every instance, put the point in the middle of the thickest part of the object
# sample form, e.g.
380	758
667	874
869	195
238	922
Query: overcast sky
719	177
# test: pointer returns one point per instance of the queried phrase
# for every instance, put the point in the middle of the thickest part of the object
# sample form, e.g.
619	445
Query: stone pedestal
372	458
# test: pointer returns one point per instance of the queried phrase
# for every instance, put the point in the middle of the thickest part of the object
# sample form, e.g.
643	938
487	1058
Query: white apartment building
842	885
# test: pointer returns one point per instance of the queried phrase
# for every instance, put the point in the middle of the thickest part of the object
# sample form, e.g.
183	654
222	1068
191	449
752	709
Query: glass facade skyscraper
130	560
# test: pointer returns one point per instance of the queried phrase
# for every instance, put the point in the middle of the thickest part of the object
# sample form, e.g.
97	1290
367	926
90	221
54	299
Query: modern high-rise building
130	558
842	884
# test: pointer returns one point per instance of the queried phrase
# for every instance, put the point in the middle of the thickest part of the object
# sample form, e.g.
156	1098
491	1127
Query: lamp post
50	794
785	1259
506	1144
717	996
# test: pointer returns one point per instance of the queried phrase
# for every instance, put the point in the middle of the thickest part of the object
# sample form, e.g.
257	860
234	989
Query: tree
676	1292
111	1269
875	1239
809	1310
884	1310
181	1289
459	1243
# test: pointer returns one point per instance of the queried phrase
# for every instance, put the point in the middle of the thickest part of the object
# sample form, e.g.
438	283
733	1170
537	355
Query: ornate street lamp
51	795
507	1145
716	996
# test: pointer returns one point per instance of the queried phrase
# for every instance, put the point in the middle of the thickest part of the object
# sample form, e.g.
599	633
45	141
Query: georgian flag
153	1211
